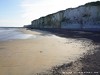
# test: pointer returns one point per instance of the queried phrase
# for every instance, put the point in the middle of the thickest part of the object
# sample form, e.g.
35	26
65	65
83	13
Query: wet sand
36	55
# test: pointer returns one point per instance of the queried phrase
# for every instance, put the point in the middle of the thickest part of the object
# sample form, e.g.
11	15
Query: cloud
34	9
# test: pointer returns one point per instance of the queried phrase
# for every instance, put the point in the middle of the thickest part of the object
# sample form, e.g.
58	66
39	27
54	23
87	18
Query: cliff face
83	17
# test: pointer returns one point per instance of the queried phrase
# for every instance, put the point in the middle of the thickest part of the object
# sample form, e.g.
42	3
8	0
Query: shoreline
22	51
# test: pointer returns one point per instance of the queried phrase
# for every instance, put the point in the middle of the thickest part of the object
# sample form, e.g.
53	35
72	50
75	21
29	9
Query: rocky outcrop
83	17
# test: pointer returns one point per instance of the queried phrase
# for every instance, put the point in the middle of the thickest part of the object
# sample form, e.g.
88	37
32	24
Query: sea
12	34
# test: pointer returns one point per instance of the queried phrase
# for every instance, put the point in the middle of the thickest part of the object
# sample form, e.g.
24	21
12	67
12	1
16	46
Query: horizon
18	13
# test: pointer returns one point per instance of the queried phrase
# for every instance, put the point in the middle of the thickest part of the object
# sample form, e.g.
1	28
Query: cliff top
97	3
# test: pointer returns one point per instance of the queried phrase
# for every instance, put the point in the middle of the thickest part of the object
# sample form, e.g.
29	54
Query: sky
16	13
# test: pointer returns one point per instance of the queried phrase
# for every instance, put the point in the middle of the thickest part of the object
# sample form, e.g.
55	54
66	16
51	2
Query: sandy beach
40	53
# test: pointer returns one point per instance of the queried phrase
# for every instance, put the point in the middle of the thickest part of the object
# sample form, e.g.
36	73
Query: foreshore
49	54
89	64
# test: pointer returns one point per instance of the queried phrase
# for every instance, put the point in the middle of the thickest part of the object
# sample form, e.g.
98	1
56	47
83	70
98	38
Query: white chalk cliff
83	17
